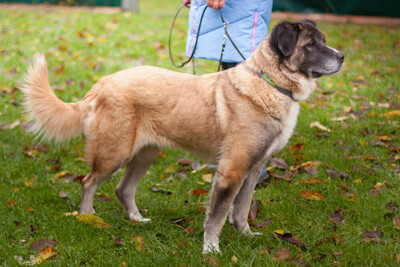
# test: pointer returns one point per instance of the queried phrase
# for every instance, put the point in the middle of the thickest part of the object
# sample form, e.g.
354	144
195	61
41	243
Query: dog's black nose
340	56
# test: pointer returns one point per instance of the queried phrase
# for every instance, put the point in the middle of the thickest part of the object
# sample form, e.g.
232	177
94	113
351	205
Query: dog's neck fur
264	60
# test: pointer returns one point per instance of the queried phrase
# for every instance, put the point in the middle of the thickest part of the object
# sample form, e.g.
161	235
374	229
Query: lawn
334	192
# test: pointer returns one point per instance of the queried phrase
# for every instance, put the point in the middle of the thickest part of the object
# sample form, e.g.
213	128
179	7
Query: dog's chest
287	126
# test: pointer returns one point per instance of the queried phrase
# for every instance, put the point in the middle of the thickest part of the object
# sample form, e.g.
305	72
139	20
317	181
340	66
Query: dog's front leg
241	204
226	184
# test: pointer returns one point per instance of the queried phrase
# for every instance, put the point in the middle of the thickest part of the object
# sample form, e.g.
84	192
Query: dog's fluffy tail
53	119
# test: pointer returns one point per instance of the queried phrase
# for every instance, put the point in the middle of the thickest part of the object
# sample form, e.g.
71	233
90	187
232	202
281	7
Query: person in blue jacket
248	22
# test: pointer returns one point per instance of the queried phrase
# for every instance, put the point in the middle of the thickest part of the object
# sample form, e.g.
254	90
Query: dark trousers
226	65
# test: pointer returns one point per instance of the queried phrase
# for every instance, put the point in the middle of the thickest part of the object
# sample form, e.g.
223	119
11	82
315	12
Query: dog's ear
284	37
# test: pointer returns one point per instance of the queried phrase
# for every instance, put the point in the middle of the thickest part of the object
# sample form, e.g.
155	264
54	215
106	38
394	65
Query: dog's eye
311	42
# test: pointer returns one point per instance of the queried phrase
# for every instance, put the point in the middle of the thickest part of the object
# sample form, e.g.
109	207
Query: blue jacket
248	22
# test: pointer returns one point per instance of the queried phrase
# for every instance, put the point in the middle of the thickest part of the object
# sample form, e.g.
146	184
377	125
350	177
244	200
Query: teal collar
280	89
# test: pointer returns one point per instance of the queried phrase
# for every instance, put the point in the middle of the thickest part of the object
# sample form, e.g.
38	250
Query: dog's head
302	48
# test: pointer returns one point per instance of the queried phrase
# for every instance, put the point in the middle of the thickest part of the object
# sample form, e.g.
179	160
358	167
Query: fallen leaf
63	194
156	190
138	240
92	220
311	169
43	255
61	174
282	254
210	261
337	217
376	191
43	243
199	192
279	163
207	177
373	234
319	126
105	198
184	162
323	241
290	238
190	230
336	174
312	195
311	181
234	259
11	203
392	206
254	210
264	223
396	222
297	262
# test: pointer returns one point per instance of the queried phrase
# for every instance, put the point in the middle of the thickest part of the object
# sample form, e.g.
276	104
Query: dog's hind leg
89	186
241	204
135	169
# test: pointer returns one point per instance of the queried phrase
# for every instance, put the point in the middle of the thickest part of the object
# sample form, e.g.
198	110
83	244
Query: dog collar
280	89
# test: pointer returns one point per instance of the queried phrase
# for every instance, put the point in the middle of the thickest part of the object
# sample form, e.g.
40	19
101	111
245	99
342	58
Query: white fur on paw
211	248
140	220
144	220
255	234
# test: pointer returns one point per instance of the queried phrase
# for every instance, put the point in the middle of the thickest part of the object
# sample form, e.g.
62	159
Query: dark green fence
388	8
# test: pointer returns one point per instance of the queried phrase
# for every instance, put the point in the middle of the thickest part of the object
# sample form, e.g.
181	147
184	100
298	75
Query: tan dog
241	119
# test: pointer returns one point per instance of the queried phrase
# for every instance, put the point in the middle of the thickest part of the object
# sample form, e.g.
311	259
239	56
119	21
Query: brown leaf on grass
336	174
43	243
117	241
376	191
63	194
311	169
11	203
392	206
312	195
396	222
254	210
184	162
298	262
282	254
279	163
190	230
323	241
373	234
337	217
290	238
311	181
210	261
156	190
296	147
265	223
105	198
199	192
140	246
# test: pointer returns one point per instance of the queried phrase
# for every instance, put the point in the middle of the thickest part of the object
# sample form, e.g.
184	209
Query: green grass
81	47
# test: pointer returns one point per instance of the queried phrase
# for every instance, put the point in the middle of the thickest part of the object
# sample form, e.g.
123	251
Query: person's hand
216	4
187	2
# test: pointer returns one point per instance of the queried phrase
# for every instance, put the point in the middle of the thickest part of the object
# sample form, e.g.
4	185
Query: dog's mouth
315	74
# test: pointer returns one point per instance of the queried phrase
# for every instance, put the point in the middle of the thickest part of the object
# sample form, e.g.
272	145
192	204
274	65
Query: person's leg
228	65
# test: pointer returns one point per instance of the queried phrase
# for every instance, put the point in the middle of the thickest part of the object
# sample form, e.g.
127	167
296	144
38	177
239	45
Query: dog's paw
211	248
255	234
144	220
140	219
